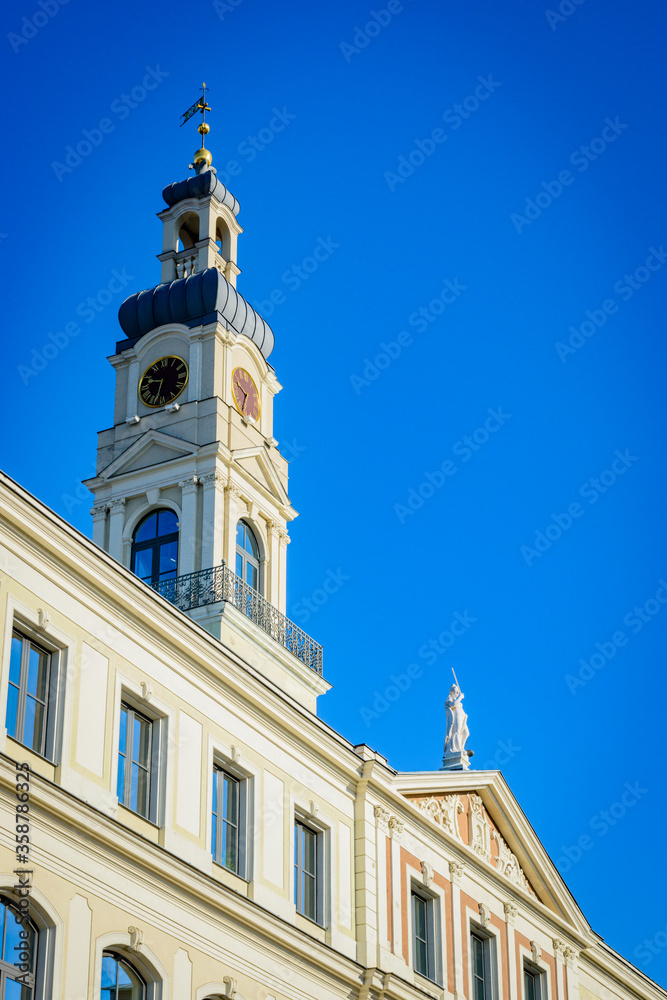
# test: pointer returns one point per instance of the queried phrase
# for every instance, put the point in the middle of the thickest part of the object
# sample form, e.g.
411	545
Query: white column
188	524
232	498
116	524
281	603
572	974
99	515
382	830
396	829
194	380
511	912
212	530
559	948
456	874
272	589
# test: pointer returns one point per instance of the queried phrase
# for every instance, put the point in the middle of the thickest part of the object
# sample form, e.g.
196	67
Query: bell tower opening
188	233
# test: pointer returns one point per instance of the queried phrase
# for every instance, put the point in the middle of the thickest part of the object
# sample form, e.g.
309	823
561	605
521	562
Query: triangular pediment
479	813
152	448
256	464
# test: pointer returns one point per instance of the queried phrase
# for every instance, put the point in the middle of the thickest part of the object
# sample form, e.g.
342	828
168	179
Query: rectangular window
28	693
532	984
423	935
135	760
307	877
226	826
481	967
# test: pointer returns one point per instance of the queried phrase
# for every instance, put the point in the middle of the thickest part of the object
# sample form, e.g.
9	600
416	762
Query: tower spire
202	158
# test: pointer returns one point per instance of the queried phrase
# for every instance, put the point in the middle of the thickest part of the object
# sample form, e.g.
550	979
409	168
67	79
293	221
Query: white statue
457	722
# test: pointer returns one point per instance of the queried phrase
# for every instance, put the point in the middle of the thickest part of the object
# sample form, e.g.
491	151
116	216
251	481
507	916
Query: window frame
19	624
488	941
306	824
118	958
129	704
9	970
432	973
247	558
221	770
538	976
154	545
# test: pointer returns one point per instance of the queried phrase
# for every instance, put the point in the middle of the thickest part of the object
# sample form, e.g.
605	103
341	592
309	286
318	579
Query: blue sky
516	155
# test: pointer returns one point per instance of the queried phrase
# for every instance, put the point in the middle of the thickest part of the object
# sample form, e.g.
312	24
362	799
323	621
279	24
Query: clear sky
473	376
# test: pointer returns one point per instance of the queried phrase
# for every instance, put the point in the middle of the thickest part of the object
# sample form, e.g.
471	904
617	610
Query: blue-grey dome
199	187
202	298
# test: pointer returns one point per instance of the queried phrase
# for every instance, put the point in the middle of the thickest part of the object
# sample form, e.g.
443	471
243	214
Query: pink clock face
246	394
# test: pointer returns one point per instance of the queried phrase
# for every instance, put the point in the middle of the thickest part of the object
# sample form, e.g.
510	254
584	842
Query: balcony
209	586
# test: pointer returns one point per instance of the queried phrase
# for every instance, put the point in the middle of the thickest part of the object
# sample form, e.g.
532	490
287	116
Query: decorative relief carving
312	809
233	490
117	506
136	938
559	948
456	871
189	485
381	817
427	873
511	913
231	987
43	618
536	952
480	833
507	865
396	826
212	479
98	511
571	957
484	914
443	811
146	691
235	754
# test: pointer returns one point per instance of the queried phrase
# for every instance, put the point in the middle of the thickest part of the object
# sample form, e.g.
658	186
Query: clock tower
191	489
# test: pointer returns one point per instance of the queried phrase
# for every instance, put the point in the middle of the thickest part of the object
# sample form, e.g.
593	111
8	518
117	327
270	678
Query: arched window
18	954
188	233
247	555
119	980
155	547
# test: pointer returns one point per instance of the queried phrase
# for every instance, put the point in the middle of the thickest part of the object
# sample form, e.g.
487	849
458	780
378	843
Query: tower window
119	980
247	555
155	547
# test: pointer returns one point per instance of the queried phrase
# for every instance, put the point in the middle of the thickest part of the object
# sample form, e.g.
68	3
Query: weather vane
202	106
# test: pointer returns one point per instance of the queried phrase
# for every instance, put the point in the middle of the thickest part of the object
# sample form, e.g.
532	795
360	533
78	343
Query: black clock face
163	381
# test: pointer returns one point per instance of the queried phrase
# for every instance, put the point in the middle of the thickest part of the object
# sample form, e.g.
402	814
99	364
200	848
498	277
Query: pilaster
232	510
99	515
116	525
212	532
511	913
188	524
456	870
559	950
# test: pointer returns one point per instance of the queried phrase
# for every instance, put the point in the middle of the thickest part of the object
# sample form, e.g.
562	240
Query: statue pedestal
456	761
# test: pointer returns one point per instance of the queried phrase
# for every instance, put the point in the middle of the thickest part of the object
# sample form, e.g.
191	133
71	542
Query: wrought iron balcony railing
208	586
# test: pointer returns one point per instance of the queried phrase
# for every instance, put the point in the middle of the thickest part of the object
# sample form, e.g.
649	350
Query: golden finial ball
203	156
204	128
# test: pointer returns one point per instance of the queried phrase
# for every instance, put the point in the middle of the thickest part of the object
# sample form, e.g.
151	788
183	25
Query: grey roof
202	298
199	187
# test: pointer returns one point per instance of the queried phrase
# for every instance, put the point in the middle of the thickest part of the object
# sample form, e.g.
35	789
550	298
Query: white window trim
540	970
51	930
323	826
490	934
62	649
436	897
220	755
143	960
163	718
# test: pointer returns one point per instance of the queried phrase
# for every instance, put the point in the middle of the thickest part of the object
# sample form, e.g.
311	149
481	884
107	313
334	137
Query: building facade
177	822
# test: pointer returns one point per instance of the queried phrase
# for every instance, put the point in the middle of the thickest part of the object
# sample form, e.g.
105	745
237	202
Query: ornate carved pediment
480	834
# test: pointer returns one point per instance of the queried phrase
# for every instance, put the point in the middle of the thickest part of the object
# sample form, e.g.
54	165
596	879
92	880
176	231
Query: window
18	955
119	980
155	547
307	874
227	826
423	935
532	983
135	759
247	555
481	967
28	693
